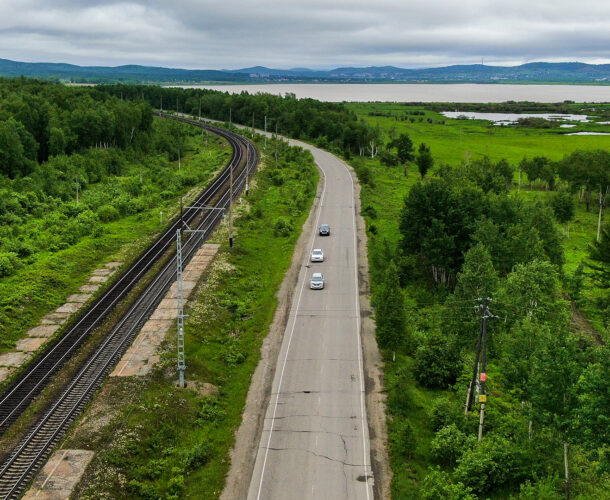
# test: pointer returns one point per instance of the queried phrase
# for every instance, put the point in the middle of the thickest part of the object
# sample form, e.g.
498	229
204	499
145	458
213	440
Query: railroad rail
27	457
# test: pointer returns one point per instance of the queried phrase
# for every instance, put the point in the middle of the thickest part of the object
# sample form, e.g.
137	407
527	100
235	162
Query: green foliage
563	206
437	361
600	258
493	463
438	485
405	442
424	160
543	489
282	226
449	444
404	148
389	311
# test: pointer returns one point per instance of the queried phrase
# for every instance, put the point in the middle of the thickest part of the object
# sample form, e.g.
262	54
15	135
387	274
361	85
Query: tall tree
390	311
424	159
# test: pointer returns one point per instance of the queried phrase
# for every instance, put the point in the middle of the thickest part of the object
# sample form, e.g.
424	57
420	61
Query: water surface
424	92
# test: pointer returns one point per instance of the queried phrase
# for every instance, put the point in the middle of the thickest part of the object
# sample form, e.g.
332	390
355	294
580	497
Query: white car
317	281
317	255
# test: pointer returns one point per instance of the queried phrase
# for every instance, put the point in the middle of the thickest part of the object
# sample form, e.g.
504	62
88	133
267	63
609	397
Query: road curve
315	441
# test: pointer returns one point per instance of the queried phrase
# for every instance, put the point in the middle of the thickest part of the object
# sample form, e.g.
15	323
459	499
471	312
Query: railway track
27	457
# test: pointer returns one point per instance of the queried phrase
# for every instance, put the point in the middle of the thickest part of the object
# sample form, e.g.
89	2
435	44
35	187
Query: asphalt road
315	441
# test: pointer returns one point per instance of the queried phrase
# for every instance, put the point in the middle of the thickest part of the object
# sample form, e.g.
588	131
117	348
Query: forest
79	170
517	242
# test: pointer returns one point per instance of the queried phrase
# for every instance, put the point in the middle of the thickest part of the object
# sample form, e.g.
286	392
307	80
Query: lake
507	118
424	92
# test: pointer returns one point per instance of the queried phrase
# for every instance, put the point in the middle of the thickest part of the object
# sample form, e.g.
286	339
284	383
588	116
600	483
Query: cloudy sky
232	34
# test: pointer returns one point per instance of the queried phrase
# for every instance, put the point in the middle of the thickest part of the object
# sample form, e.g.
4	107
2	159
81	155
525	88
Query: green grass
50	277
163	442
459	140
453	142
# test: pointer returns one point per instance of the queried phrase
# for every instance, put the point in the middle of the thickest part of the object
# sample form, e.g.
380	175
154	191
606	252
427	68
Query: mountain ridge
535	72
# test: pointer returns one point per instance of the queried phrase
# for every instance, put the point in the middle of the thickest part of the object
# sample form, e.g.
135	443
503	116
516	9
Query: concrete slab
79	297
30	344
89	288
171	303
186	286
141	356
165	314
98	279
14	358
5	371
42	331
54	318
113	265
155	325
101	272
60	474
69	307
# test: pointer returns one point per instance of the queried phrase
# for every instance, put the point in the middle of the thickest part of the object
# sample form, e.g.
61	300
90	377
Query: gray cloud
315	33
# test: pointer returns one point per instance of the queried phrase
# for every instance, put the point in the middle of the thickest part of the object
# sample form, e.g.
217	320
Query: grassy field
451	142
157	441
51	276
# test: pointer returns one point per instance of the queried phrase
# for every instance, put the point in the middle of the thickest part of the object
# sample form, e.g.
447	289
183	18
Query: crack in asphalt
319	455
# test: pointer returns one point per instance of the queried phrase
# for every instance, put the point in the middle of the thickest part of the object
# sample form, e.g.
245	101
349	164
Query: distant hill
537	72
129	73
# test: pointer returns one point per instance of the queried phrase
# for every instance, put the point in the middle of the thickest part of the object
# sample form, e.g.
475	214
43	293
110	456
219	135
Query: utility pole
176	104
483	374
475	371
200	109
602	202
265	146
161	102
77	186
230	117
180	302
252	124
180	319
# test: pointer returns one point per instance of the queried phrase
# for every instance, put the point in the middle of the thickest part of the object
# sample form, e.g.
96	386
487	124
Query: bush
107	213
388	159
493	463
282	226
198	457
404	443
449	444
437	361
438	486
366	176
547	488
563	206
9	263
444	412
369	211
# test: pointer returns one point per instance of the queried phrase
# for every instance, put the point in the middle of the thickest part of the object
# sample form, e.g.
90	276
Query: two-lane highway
315	441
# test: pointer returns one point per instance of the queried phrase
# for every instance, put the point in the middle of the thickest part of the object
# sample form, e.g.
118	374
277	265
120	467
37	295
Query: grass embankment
52	275
154	440
452	142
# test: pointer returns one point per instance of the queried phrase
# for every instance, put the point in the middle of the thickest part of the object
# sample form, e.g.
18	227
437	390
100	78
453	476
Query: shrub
562	204
443	412
438	486
437	361
366	177
369	211
493	463
387	158
449	444
282	226
107	213
9	263
199	456
404	443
